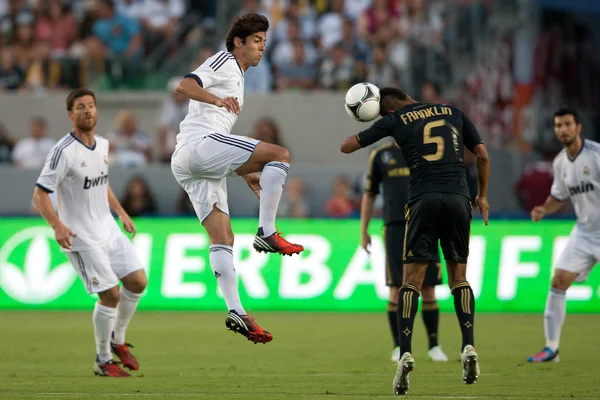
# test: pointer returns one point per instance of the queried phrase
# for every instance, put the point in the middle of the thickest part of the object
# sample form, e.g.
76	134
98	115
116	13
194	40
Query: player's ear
238	42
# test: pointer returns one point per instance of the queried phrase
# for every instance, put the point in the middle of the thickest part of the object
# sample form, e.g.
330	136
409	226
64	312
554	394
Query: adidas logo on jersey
584	187
93	182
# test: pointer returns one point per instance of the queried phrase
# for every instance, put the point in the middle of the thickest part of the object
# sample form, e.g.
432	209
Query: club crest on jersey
387	158
583	187
89	183
586	170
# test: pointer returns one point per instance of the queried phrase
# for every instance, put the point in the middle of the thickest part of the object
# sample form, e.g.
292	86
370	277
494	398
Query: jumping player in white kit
207	152
576	176
77	169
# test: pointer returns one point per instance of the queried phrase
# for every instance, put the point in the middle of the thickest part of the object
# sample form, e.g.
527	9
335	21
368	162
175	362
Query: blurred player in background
431	137
388	170
77	169
576	176
207	152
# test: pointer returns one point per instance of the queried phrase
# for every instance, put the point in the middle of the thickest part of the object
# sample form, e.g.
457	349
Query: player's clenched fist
537	213
63	236
230	103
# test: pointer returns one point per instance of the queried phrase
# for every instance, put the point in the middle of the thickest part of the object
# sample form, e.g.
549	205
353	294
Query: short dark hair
76	94
567	110
387	98
39	120
244	26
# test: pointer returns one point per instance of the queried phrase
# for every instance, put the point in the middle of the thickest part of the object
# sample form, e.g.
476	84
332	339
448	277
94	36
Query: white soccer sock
125	310
221	262
272	180
554	317
104	319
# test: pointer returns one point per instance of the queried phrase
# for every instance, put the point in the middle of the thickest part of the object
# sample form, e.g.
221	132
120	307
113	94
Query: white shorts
101	268
581	253
201	166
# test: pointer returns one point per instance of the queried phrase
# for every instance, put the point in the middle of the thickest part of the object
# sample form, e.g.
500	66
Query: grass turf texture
49	355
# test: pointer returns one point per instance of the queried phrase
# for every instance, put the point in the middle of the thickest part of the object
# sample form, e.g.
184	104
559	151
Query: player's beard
86	124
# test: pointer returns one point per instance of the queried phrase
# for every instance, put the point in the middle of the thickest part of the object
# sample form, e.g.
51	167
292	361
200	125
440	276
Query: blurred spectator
353	8
352	43
138	199
533	187
299	73
129	147
114	34
259	79
430	93
56	27
338	70
330	25
294	204
6	146
301	14
378	24
184	205
160	19
283	51
30	152
341	204
380	71
12	74
174	110
267	130
24	48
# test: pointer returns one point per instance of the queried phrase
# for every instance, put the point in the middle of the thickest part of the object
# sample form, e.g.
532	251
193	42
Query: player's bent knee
562	280
110	298
284	155
394	292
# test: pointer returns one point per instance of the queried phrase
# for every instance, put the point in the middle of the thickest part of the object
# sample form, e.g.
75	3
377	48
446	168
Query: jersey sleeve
212	72
559	188
54	171
379	130
373	175
471	137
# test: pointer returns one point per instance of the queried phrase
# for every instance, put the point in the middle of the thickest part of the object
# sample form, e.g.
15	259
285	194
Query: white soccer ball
362	102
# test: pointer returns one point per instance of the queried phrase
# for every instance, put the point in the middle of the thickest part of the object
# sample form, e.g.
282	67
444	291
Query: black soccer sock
430	311
393	320
464	304
408	303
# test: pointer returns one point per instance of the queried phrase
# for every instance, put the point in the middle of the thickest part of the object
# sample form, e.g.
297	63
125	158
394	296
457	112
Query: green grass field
313	356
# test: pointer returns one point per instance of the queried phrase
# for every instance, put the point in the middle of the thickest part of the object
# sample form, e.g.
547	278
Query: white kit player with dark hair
77	169
576	177
207	152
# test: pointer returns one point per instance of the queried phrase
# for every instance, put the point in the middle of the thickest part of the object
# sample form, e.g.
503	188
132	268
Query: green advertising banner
509	268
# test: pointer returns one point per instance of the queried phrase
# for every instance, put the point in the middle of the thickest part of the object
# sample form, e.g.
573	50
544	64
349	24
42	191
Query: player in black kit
389	172
431	137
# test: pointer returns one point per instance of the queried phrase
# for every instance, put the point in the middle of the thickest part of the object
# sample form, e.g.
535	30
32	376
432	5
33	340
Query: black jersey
388	170
431	137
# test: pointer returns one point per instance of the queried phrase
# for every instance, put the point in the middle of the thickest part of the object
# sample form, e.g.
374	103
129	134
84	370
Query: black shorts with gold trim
393	237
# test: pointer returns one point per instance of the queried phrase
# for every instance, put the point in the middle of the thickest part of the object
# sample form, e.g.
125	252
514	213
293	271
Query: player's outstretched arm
550	206
42	201
366	213
116	206
483	175
350	145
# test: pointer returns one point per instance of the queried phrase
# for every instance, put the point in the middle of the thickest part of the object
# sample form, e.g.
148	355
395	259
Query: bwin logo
97	181
582	188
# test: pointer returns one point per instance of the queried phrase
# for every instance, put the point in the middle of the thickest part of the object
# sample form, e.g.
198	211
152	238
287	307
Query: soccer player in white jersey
207	152
77	169
576	176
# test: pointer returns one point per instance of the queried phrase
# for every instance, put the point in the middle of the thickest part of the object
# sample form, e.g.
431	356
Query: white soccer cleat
396	354
436	354
470	364
402	378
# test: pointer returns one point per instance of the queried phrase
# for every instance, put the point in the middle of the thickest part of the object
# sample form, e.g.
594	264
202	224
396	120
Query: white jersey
222	76
579	180
79	175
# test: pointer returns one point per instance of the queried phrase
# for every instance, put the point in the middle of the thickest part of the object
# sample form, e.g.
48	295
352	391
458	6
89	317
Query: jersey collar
238	64
84	145
580	150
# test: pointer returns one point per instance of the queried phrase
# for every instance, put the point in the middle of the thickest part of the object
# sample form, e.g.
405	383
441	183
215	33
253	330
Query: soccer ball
362	102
